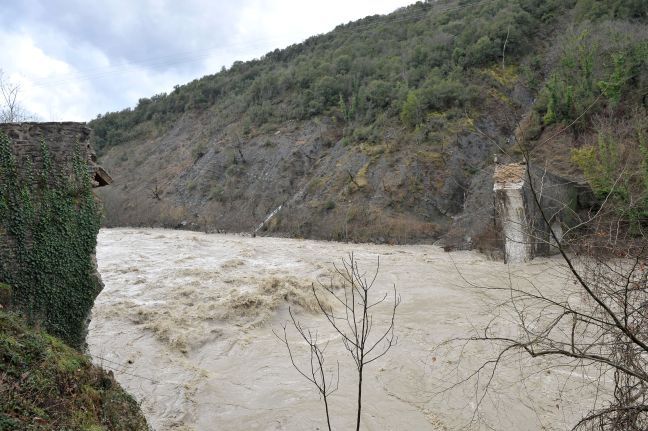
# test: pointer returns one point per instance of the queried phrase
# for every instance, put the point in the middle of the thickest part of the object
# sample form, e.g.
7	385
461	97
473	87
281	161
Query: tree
10	109
595	325
412	112
354	325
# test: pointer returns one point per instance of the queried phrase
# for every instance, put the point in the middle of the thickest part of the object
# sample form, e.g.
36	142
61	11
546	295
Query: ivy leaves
49	219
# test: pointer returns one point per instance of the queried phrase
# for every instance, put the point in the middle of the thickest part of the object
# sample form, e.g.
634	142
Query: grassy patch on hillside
46	385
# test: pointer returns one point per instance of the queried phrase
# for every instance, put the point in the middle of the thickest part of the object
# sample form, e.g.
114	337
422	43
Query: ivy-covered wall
49	220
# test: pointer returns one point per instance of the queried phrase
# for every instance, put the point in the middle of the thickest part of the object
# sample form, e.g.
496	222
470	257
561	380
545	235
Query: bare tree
154	191
10	111
354	324
596	327
508	32
607	259
315	372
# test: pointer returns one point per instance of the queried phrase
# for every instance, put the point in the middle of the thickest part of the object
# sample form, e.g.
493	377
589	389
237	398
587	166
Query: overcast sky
74	59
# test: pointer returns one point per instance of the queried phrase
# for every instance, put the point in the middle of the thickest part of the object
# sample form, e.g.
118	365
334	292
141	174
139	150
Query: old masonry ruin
64	143
519	193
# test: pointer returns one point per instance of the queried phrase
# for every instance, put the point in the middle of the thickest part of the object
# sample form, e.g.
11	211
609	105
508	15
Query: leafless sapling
10	109
351	317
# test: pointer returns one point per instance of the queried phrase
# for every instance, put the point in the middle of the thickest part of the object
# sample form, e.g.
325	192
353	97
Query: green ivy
50	220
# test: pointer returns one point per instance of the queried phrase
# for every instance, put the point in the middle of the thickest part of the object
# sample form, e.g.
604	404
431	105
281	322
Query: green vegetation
50	221
5	295
600	62
428	95
419	59
46	385
329	205
617	167
611	9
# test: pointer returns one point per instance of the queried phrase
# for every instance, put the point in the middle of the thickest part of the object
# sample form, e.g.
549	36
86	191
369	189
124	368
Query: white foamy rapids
186	323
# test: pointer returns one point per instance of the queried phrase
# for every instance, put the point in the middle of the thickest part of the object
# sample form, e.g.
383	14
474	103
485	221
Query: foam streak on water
186	319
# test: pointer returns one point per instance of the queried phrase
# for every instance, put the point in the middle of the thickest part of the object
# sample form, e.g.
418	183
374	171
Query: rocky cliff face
306	175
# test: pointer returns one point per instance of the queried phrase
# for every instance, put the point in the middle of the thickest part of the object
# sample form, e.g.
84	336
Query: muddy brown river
186	324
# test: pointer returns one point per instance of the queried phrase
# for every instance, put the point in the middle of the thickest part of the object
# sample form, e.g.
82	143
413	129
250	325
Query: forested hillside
386	129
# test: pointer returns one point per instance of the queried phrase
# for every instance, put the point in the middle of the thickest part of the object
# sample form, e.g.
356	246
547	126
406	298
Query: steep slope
384	129
46	385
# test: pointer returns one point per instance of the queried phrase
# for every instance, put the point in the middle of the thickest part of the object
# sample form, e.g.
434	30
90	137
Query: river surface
186	323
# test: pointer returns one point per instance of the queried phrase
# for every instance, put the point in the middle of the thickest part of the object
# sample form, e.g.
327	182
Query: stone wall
524	229
63	140
48	227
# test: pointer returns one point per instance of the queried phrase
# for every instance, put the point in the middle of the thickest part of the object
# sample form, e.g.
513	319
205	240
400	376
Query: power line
121	370
200	55
168	60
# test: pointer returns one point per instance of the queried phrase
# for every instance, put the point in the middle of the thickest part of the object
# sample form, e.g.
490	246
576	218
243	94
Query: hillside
46	385
386	129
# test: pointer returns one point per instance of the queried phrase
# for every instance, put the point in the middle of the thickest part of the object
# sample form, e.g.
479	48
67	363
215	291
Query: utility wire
121	370
169	60
200	55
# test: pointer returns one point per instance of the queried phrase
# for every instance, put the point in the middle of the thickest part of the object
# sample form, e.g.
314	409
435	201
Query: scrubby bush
605	62
616	167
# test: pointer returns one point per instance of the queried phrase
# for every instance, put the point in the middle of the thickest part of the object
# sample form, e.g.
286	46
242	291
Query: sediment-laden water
186	323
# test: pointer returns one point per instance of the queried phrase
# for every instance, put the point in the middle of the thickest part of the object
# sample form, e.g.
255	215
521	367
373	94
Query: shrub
217	193
619	172
413	110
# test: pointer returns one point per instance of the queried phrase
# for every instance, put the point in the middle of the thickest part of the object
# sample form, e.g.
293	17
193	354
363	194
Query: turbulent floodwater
186	323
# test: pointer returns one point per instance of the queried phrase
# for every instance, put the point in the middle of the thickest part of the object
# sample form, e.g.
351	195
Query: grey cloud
156	34
121	50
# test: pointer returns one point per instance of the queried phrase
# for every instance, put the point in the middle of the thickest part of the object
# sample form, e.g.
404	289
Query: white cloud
73	61
26	63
